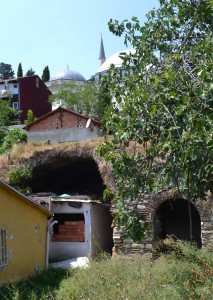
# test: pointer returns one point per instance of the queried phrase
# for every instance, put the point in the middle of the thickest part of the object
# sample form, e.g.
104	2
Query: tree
165	107
84	98
30	117
20	71
6	71
30	72
8	116
103	98
12	137
46	74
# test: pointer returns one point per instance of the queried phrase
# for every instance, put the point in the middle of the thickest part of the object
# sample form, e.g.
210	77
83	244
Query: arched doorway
68	176
172	218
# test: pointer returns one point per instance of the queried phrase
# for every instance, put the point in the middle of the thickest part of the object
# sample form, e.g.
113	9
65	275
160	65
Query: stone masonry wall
148	206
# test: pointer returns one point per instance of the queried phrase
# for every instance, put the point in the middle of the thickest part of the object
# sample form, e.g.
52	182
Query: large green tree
46	74
88	98
165	107
6	71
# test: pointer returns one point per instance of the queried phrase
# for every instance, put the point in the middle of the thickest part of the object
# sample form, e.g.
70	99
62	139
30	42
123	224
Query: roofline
17	78
69	199
57	109
65	79
9	188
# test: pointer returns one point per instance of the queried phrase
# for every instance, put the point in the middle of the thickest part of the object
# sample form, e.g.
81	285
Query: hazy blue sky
58	33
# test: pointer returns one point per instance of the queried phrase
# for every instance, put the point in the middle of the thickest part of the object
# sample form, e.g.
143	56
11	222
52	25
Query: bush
14	136
19	177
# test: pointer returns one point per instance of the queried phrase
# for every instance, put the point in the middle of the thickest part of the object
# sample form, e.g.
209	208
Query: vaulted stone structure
168	215
79	171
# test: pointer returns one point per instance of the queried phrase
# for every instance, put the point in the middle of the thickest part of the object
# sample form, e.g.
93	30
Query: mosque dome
68	75
115	59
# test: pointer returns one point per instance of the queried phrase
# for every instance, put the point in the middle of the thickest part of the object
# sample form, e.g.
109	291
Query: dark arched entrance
68	176
172	218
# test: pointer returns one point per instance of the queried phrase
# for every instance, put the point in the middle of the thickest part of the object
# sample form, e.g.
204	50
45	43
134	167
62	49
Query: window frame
3	248
70	227
15	105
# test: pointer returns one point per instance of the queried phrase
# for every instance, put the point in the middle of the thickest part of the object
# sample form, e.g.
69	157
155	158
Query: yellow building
23	235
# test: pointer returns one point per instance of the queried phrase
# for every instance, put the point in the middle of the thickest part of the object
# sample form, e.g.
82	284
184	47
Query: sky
61	33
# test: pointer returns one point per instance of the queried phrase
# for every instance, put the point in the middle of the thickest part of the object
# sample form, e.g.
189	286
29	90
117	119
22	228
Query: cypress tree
20	71
46	74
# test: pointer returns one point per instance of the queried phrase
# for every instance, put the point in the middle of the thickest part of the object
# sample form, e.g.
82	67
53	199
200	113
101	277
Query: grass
186	273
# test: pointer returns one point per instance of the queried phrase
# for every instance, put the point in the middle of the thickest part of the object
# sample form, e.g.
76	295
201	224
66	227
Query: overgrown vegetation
12	137
172	276
8	116
89	98
19	177
164	104
30	117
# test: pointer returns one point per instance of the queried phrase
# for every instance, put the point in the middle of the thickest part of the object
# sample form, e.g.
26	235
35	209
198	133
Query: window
15	86
15	105
37	82
3	248
70	228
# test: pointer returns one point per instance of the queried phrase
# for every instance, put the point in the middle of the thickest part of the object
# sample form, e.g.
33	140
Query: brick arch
171	218
168	194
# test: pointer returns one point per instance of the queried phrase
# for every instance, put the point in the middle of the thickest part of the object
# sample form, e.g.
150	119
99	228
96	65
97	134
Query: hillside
56	161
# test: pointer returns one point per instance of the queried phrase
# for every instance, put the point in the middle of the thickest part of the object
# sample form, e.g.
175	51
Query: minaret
102	57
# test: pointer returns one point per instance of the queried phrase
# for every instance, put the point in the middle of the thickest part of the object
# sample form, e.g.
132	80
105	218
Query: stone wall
148	206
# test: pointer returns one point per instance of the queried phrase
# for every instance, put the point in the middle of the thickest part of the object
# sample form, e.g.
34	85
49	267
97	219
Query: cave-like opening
68	176
172	218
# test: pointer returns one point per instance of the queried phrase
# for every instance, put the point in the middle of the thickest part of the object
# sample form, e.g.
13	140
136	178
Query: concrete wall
101	230
98	231
60	251
64	135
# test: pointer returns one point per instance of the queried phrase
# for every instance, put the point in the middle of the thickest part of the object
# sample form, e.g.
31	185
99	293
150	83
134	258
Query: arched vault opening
74	176
172	218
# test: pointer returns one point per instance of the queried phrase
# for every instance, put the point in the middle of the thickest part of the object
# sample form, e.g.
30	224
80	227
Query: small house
23	235
63	125
81	226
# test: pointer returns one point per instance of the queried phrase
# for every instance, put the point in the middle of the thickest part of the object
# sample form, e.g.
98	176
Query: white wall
64	135
10	88
60	251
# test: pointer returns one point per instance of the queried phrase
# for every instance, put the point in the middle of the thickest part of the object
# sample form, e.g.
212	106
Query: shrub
19	177
14	136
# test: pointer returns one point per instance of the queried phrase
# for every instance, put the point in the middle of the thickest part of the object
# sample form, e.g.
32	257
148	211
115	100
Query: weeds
19	177
171	276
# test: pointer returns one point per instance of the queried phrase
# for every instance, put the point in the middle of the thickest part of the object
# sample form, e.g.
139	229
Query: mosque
67	75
